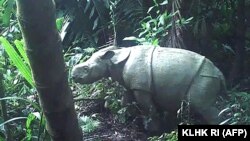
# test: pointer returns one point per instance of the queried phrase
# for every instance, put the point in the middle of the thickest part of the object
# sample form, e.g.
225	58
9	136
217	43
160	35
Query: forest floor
110	128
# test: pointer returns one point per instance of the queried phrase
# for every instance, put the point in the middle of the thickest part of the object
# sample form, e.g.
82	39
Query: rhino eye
85	69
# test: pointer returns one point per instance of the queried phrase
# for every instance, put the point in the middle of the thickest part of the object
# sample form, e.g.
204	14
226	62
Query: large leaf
17	60
1	3
8	12
20	48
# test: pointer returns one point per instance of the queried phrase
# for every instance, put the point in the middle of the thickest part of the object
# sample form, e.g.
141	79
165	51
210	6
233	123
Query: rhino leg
127	98
144	99
210	115
202	95
128	101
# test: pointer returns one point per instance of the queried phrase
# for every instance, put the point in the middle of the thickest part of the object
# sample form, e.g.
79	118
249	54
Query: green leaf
88	124
155	42
131	38
1	3
237	115
144	32
165	2
20	48
150	9
17	60
224	111
92	13
90	50
7	12
147	25
59	23
225	121
30	119
95	23
87	6
189	19
226	47
161	20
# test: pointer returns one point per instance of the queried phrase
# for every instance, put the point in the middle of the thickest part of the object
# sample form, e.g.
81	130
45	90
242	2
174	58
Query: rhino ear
116	56
108	55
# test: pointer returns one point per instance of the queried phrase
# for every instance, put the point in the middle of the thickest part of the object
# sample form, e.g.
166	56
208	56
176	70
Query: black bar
215	132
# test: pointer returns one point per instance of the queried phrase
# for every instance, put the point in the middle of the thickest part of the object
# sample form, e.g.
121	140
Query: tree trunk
237	71
187	35
44	50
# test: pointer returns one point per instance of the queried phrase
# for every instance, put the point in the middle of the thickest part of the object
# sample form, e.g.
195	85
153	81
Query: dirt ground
110	128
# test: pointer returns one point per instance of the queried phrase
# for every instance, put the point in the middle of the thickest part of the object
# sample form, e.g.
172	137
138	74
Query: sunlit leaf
225	121
237	114
161	20
226	47
224	110
155	42
150	9
189	19
59	24
165	2
87	6
20	48
92	13
17	60
90	50
131	38
95	23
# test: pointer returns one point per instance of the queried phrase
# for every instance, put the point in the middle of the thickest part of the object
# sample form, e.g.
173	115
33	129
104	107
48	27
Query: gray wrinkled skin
160	78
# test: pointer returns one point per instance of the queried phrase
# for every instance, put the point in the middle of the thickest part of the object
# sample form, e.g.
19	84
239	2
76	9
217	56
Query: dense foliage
220	30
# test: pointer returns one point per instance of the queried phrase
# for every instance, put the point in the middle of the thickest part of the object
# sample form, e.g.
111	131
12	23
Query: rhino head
98	66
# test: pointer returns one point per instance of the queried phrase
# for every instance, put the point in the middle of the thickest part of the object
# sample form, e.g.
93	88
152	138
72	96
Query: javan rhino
159	78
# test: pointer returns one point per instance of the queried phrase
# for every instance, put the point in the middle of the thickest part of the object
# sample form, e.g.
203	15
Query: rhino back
165	72
161	65
173	71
